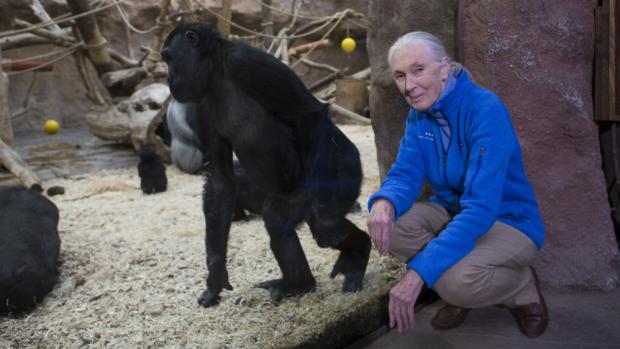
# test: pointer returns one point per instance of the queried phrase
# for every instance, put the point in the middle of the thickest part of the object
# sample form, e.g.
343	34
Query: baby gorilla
151	170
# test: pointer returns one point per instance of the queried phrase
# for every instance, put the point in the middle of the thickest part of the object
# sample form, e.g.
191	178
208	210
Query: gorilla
151	170
29	248
307	169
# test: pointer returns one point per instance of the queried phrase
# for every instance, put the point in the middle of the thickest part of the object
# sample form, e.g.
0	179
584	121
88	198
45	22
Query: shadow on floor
577	320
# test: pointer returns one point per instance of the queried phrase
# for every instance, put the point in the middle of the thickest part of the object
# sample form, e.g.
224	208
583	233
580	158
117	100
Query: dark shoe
534	317
450	316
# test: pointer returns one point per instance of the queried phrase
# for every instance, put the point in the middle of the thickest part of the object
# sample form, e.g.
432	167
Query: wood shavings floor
133	266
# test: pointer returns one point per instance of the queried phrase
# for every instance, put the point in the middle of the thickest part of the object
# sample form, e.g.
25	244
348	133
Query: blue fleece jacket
479	180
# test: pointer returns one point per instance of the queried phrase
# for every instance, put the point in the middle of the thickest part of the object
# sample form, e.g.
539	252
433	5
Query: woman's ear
444	69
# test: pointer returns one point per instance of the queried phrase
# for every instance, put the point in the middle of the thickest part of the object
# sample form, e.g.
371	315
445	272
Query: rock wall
538	58
388	108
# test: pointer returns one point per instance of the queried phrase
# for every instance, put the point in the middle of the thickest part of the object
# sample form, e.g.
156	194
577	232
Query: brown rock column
538	56
390	20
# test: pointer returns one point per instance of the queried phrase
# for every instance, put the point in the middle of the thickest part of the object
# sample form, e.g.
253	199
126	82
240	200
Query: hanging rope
46	24
297	36
48	54
277	9
125	19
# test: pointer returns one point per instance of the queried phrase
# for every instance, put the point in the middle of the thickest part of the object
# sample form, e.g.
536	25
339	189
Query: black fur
249	197
151	170
29	248
284	139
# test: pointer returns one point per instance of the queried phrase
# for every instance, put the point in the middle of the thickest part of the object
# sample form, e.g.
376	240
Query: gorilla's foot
280	288
352	264
208	298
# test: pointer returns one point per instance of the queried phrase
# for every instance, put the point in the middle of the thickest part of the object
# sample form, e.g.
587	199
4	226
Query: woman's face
419	77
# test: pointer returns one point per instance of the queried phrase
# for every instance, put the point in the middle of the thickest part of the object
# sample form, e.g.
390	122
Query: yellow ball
348	44
51	126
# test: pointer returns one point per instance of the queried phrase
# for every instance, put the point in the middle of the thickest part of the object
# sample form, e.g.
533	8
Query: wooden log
329	91
266	22
352	94
40	12
6	130
23	40
362	74
56	37
150	63
123	60
110	123
223	23
324	81
11	160
144	105
133	122
131	76
303	48
354	117
91	90
604	62
188	5
42	37
323	66
12	65
94	40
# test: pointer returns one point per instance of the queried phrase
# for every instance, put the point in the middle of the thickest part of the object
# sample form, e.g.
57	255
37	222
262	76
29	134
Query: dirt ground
132	267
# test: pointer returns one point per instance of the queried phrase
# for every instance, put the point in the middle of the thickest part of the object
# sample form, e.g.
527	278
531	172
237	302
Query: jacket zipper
478	164
444	158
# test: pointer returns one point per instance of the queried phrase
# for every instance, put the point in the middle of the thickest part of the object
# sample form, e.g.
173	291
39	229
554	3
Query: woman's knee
405	243
464	286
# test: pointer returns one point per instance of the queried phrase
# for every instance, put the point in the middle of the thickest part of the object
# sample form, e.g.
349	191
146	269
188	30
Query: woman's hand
402	301
380	225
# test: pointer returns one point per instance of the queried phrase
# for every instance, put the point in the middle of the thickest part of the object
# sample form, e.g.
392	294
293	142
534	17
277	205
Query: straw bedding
132	267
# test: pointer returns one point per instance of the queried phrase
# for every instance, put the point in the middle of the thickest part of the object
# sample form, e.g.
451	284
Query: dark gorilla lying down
29	248
284	138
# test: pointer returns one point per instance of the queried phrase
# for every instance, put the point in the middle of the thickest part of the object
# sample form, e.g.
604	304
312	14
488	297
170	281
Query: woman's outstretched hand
380	225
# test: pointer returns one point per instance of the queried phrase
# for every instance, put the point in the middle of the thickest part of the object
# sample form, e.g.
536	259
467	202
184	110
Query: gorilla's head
192	53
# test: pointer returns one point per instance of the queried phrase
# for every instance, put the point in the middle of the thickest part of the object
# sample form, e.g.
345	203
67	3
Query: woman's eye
399	77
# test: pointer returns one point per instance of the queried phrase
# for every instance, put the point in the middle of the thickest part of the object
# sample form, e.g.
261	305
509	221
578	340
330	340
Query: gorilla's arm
218	202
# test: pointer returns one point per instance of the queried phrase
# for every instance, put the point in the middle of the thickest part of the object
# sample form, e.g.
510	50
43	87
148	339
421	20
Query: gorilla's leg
280	218
353	243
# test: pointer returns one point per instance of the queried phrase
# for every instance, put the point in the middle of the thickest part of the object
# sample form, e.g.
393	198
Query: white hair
435	46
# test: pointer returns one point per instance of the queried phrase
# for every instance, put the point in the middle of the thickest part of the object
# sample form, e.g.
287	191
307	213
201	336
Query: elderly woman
476	239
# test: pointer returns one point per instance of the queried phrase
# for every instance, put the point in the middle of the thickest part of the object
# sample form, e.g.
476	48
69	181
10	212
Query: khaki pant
495	272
